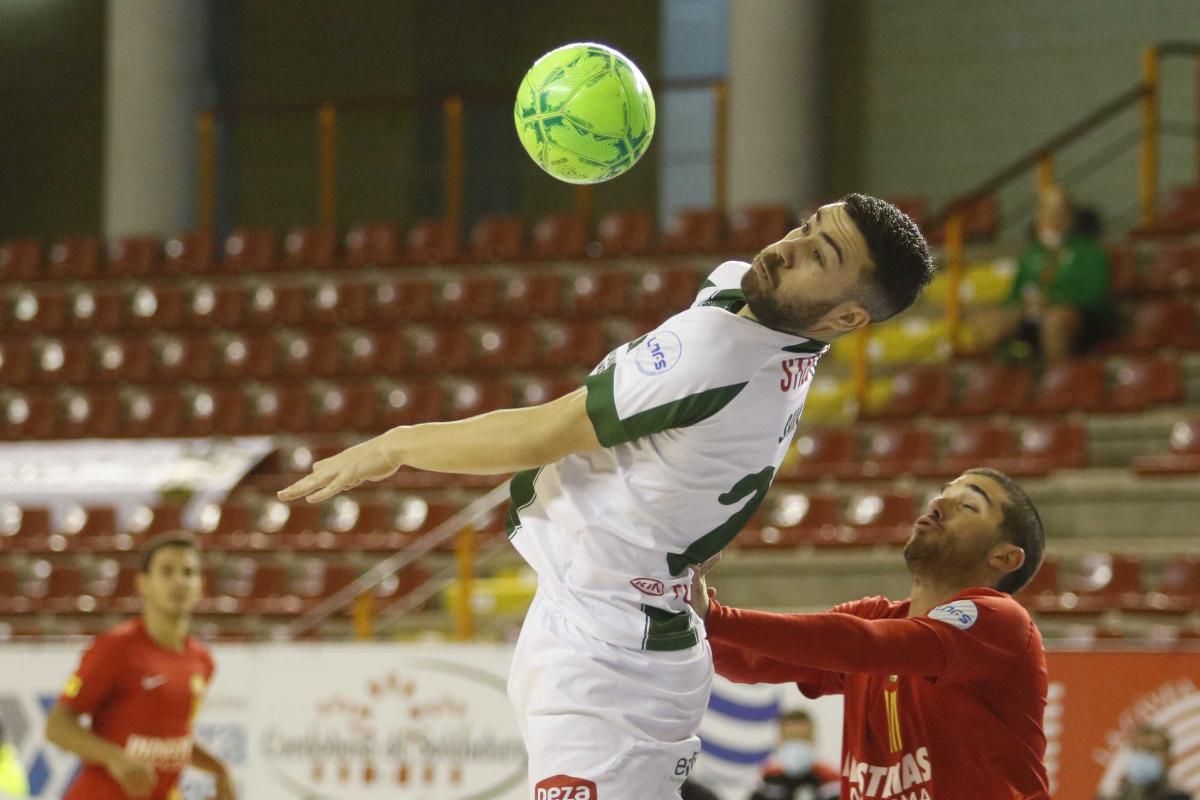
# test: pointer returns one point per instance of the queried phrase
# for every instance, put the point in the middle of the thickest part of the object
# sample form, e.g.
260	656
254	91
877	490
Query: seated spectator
696	791
1059	304
1147	767
794	773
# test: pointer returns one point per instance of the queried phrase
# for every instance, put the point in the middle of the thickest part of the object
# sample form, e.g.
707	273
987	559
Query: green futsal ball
584	113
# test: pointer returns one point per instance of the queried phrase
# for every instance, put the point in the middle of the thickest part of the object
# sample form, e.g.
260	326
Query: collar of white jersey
731	300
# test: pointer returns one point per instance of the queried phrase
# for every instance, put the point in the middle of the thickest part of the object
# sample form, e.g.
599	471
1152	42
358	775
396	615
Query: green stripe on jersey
521	494
666	630
612	430
811	346
729	299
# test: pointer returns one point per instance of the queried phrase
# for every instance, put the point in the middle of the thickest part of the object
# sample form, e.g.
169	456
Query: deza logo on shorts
565	787
658	352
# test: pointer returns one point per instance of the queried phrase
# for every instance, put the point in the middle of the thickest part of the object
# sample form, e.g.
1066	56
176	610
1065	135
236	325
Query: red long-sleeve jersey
944	706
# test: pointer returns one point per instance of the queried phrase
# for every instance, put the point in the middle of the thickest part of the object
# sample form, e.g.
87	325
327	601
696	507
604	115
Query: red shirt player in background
142	683
944	692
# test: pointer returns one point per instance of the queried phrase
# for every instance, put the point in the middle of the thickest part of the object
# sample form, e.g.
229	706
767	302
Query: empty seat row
978	389
656	291
1100	582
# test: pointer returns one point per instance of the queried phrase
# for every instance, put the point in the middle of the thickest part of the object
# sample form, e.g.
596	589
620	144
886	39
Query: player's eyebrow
973	487
829	239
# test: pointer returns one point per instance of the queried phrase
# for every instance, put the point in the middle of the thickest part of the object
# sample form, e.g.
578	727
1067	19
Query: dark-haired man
142	682
945	691
652	467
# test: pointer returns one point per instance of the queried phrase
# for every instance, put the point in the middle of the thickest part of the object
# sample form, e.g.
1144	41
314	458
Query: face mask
1144	768
1050	238
795	757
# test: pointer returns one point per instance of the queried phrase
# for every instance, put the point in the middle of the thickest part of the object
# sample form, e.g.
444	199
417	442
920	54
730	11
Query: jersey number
754	486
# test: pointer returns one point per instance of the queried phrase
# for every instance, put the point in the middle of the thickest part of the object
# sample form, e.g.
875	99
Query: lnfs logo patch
658	352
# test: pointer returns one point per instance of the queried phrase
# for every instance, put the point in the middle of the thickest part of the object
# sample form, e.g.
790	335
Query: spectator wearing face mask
1146	769
794	773
1059	304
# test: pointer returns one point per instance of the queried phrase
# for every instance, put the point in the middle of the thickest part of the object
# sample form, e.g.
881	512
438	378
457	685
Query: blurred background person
691	790
1059	304
794	772
13	781
1146	770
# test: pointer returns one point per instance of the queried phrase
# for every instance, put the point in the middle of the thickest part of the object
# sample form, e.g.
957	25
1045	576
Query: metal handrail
475	510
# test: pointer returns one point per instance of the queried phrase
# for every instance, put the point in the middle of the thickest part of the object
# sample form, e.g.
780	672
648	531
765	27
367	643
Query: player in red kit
944	692
142	683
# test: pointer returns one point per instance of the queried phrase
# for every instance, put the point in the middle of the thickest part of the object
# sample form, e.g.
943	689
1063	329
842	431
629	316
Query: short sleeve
679	374
981	636
96	678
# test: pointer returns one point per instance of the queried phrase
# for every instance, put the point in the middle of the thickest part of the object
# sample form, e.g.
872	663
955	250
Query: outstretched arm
489	444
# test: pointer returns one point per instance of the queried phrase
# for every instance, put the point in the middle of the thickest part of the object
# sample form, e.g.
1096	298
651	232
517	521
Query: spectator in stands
1059	303
794	773
1147	768
13	781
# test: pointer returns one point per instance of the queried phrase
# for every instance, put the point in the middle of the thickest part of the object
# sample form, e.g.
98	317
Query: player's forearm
65	731
831	641
742	666
203	760
490	444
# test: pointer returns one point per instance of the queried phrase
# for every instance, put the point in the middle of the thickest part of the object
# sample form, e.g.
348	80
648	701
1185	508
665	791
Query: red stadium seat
20	260
1074	386
154	307
190	254
664	291
991	389
375	244
437	349
598	293
1184	455
693	230
74	257
301	355
1178	213
795	519
624	233
1041	593
919	391
99	310
272	305
876	519
127	359
34	312
537	295
16	361
349	406
251	250
1123	276
823	453
497	237
191	357
409	402
504	346
215	307
1144	382
244	355
213	411
1174	270
150	413
431	241
914	206
1158	325
334	303
64	592
572	344
470	397
1102	581
132	256
972	446
891	452
67	360
982	218
149	521
1046	447
402	301
754	227
91	414
1178	589
559	236
468	297
535	390
24	529
310	247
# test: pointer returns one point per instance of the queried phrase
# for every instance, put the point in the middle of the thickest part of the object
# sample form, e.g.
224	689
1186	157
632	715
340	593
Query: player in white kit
650	468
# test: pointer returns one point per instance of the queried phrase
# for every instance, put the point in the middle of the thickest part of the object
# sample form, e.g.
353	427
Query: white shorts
603	722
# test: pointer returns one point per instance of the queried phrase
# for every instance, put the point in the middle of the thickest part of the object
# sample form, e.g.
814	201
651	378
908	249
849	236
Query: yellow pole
327	189
363	612
721	146
860	374
206	170
1045	172
464	551
452	168
1148	153
954	275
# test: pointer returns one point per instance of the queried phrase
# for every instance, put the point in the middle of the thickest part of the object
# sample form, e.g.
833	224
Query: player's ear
1006	557
846	317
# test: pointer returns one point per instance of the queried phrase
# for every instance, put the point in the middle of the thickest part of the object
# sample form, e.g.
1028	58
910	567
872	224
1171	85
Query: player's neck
169	633
825	335
928	594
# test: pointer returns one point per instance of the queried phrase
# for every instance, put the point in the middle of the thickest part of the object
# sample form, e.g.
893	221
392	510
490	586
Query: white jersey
695	418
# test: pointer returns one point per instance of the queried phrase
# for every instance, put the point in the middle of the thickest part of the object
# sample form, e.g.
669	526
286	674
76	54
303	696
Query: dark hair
795	715
164	540
899	253
1022	526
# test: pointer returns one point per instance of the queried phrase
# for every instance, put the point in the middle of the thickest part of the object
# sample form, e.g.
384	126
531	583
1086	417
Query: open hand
362	462
137	778
701	596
